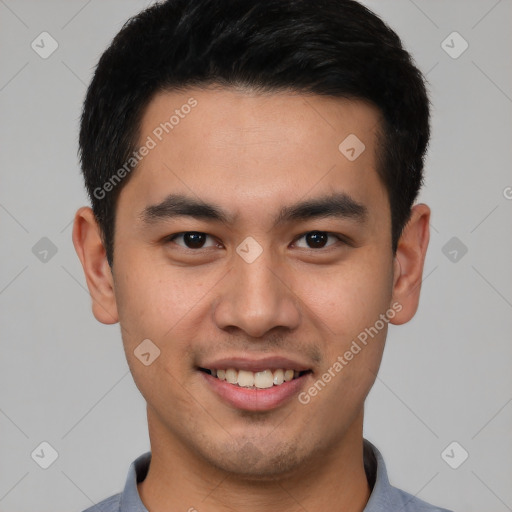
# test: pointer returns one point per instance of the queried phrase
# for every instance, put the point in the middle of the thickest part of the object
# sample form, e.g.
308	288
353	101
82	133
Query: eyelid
344	240
341	239
170	238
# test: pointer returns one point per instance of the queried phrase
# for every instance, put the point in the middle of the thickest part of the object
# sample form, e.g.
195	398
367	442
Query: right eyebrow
339	205
178	205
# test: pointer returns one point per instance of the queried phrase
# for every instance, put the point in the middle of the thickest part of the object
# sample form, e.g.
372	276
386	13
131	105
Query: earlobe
409	262
92	255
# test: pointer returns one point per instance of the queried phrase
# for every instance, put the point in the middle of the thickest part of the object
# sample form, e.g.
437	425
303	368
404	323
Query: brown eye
191	239
317	239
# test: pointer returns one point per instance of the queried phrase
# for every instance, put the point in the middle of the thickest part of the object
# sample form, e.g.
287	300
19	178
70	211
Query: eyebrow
338	205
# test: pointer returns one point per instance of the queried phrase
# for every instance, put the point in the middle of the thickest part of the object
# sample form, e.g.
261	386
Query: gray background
445	376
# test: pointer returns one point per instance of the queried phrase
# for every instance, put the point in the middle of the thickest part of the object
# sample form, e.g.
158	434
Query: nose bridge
257	283
255	298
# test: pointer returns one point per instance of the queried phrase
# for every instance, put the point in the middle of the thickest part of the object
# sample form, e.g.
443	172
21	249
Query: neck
179	479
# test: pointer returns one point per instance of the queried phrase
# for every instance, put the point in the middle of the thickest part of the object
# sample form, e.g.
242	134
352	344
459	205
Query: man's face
249	292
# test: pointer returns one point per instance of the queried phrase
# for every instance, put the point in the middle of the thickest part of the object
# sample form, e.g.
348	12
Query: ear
408	263
92	254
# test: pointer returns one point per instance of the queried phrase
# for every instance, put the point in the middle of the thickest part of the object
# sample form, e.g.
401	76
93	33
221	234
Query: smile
255	386
256	380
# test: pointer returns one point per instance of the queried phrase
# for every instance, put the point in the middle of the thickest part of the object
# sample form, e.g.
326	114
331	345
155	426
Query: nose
257	297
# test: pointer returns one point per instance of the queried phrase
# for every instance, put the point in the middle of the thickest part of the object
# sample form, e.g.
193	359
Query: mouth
255	380
255	385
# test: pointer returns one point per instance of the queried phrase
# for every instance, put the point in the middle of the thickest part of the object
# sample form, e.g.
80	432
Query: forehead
251	149
241	116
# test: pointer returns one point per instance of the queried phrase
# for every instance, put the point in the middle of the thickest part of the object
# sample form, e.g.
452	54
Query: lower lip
250	399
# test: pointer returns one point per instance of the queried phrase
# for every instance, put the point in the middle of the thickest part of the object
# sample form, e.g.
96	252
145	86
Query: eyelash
341	239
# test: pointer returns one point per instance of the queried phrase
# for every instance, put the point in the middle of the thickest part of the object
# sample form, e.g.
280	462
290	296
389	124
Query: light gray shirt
384	497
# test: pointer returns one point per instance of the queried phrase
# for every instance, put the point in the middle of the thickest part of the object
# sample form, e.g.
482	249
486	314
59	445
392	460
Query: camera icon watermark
44	250
146	352
454	455
454	45
44	45
351	147
454	249
44	455
249	249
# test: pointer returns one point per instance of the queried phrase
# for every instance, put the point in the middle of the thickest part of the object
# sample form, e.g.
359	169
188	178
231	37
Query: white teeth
261	380
288	375
245	379
278	377
232	376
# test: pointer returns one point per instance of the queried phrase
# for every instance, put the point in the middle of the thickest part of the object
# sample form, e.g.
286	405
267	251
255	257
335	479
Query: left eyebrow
339	205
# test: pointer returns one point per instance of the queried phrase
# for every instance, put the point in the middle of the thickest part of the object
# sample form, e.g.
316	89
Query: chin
257	464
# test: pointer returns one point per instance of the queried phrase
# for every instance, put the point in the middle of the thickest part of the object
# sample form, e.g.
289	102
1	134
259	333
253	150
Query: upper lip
255	365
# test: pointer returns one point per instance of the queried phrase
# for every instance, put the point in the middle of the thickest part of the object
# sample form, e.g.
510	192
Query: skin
252	154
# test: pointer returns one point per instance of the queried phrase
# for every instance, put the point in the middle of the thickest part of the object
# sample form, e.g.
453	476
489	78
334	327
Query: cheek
349	302
164	305
349	297
149	297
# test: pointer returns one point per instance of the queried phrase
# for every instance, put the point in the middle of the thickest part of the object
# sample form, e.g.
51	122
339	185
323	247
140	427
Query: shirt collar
130	500
383	495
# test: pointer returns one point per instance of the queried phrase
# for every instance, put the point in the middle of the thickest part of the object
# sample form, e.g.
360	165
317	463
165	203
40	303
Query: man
253	167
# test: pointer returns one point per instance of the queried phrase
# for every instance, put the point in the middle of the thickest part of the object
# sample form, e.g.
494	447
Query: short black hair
337	48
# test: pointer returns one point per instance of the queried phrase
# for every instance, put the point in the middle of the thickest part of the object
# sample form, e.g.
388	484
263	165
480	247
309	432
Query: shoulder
384	496
108	505
410	503
128	499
